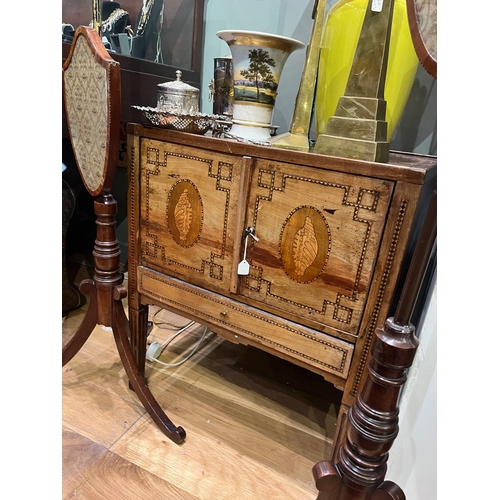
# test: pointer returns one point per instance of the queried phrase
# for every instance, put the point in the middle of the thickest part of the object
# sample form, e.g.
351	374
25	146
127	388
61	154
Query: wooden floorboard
90	471
78	456
255	424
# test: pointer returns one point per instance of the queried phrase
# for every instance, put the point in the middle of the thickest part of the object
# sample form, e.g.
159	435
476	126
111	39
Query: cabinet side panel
394	243
133	147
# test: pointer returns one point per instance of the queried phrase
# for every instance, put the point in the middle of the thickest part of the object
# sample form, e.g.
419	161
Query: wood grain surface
256	424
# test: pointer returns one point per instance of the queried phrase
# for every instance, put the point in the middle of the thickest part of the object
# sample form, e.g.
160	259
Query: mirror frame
424	35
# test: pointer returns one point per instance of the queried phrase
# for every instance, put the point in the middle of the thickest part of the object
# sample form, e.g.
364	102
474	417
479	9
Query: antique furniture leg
105	308
138	324
121	332
358	470
87	326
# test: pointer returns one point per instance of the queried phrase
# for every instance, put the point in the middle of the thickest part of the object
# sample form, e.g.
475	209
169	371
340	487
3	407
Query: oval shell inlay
185	213
304	244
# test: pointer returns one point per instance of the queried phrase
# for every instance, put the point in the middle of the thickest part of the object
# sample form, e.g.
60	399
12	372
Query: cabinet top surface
404	167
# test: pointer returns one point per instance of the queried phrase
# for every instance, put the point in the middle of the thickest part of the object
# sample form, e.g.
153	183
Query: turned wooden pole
107	276
106	257
358	470
418	266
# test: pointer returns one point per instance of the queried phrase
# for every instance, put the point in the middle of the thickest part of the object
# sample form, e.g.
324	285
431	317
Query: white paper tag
243	268
377	5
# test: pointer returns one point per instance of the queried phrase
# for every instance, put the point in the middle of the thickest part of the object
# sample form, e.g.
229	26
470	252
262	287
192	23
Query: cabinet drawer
319	234
188	210
319	352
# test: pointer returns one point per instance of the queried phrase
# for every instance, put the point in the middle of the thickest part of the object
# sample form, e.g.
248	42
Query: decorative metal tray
198	123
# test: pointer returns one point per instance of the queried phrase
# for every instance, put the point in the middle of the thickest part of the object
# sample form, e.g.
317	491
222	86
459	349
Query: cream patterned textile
87	105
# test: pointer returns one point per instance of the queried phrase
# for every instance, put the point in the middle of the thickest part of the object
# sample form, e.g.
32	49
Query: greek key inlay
184	209
302	256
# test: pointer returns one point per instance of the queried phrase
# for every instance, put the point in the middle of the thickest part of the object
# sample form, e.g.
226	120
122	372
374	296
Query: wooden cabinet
333	240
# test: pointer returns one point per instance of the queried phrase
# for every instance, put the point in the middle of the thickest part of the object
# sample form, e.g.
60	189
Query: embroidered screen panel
87	106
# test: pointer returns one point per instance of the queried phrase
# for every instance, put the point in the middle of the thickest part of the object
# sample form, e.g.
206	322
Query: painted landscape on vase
255	79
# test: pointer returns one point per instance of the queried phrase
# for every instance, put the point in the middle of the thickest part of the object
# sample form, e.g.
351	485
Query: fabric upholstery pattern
85	85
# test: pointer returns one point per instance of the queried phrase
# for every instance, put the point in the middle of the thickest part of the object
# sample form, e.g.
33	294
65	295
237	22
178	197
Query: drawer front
320	352
319	234
188	201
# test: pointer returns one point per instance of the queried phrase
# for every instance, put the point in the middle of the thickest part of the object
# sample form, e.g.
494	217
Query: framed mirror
164	32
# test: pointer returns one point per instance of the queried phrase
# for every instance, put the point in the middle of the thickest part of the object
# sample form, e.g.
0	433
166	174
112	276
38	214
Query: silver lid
178	97
177	86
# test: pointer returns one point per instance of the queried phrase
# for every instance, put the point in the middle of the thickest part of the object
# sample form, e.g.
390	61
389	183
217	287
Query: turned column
106	257
358	470
361	464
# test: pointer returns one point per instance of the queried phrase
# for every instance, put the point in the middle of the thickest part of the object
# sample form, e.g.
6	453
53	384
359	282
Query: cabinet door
319	233
188	209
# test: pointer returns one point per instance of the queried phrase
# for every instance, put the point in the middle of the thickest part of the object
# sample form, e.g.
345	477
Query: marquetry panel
319	234
188	212
320	352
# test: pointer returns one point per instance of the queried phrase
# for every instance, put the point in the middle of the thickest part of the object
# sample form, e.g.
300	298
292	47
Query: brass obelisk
297	137
358	129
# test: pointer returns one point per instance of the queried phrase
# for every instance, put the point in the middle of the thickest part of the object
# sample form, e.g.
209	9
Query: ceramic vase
340	38
258	60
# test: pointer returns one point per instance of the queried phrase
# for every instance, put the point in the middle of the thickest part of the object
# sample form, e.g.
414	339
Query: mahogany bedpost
357	472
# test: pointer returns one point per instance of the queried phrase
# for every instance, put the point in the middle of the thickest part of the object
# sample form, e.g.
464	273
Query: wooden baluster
106	257
358	470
